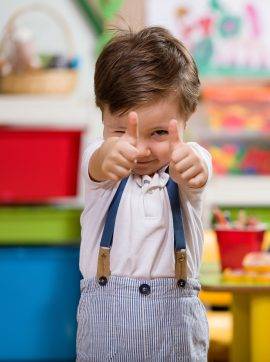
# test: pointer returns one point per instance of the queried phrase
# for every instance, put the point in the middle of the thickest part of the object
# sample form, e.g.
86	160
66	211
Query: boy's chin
142	171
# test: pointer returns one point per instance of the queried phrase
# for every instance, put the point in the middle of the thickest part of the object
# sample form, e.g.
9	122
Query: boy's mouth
144	162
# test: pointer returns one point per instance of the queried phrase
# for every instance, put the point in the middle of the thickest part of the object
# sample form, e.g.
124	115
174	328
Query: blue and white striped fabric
118	323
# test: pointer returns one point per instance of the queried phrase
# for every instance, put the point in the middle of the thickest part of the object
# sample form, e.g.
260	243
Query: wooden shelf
21	110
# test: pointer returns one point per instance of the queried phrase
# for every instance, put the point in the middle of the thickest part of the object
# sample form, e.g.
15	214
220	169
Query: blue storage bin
39	297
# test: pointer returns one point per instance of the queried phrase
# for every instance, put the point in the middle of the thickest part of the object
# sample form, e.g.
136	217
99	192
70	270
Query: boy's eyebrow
163	127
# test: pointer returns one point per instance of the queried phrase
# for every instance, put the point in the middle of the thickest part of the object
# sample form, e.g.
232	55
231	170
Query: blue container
39	297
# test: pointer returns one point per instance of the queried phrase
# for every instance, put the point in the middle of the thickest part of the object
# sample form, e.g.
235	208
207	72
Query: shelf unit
241	190
53	112
232	190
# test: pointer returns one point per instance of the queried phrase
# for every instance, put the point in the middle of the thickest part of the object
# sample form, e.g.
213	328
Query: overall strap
179	235
103	270
107	236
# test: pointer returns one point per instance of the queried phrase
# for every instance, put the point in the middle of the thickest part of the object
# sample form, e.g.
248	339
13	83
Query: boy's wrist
96	161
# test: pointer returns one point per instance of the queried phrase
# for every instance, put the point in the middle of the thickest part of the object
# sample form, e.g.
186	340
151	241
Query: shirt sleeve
88	152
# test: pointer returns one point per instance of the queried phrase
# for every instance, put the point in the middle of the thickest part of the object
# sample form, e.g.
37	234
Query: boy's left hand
186	166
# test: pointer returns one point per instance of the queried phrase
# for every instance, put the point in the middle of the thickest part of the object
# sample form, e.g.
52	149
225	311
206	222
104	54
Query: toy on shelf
237	117
238	127
222	219
23	69
238	108
238	158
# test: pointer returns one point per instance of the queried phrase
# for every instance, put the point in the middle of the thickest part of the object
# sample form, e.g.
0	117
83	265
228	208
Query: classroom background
48	115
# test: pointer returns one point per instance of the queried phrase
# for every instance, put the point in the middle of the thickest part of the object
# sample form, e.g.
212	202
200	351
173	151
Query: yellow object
266	240
211	256
220	332
259	318
240	351
258	262
220	326
251	315
245	276
209	299
233	276
210	248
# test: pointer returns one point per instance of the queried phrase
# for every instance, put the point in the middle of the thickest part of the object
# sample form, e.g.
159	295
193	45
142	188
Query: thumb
174	134
132	128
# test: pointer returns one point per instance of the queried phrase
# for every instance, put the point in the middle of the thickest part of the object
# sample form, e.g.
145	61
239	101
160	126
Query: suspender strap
107	237
103	267
103	270
179	236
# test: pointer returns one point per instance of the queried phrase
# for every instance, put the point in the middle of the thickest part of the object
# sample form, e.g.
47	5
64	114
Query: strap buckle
181	267
103	267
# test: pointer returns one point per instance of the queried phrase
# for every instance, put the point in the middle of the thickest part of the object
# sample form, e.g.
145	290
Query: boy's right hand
120	155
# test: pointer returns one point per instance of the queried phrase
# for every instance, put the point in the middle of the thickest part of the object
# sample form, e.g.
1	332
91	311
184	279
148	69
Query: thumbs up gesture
120	157
186	166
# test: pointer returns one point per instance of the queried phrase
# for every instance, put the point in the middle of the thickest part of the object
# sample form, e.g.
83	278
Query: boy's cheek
163	149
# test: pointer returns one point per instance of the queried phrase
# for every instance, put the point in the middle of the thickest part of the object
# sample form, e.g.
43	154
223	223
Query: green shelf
40	225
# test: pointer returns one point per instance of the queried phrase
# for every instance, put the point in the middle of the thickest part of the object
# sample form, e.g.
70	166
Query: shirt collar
158	180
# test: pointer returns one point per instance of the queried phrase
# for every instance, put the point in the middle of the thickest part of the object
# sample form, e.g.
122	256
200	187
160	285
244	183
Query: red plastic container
38	164
235	244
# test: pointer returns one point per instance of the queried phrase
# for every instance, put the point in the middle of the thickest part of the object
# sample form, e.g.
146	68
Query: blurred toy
220	218
20	50
258	262
236	116
223	219
240	159
23	70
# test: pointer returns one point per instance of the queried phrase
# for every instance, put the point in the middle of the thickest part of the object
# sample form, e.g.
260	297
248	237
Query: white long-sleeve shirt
143	245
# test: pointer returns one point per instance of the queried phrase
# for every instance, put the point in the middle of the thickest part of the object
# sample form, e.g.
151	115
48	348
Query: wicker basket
40	81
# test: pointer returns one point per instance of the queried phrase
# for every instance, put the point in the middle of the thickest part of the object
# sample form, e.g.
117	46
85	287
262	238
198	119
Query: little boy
142	234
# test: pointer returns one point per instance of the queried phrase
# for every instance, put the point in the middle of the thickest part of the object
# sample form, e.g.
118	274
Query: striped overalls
132	320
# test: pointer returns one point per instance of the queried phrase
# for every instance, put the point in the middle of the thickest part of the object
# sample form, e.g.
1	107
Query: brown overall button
145	289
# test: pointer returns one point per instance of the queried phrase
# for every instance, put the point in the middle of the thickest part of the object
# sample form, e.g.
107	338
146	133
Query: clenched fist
186	167
121	159
117	156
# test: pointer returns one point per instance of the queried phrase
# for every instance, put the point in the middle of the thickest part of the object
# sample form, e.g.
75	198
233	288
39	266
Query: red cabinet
37	164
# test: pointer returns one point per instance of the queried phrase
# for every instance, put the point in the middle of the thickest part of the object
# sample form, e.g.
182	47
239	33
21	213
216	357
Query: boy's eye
120	131
161	132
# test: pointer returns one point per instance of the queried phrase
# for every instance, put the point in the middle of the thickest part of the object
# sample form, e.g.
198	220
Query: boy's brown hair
138	68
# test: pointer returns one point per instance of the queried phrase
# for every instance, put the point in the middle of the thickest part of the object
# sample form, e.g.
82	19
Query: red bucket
235	244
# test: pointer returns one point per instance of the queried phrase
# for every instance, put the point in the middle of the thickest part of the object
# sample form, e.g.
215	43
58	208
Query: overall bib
133	320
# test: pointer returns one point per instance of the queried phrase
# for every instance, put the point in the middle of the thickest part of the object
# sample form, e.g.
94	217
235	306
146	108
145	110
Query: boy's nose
143	148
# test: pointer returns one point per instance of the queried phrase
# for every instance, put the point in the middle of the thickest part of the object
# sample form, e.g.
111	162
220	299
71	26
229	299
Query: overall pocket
189	332
96	332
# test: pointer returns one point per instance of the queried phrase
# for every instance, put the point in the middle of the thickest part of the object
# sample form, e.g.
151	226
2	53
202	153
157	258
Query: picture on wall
227	38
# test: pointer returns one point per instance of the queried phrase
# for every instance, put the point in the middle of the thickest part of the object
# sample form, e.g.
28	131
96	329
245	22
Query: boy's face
153	138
